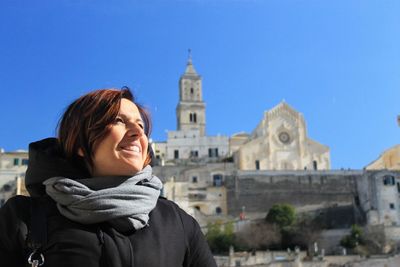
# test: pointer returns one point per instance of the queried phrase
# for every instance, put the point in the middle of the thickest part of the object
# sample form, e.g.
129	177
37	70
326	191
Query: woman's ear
150	157
80	152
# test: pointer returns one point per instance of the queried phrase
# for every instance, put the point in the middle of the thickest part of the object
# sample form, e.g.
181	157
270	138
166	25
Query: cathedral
278	142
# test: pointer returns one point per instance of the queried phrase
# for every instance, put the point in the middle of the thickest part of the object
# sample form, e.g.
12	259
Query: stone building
280	142
379	197
199	189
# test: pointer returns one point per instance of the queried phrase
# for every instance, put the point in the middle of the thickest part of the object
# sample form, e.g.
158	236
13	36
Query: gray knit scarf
124	202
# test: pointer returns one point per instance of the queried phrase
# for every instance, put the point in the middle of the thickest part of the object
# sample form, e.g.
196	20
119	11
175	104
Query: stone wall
258	191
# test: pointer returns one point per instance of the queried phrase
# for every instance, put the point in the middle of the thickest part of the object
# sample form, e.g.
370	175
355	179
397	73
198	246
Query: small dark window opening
191	90
357	201
391	206
194	179
315	165
218	210
194	117
176	154
257	164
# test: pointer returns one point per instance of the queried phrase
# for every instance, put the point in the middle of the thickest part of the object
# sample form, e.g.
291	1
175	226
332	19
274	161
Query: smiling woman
99	201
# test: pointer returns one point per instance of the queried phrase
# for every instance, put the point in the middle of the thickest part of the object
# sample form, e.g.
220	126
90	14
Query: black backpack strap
37	233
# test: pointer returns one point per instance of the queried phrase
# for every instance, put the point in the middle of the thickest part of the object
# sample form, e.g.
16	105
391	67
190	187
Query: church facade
280	142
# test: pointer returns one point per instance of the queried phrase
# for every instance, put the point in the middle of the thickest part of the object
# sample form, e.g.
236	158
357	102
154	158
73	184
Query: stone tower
191	110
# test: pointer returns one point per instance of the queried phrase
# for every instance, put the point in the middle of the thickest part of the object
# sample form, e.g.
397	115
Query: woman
98	195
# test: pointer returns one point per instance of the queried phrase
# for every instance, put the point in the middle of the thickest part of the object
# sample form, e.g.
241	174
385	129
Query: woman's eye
118	120
141	126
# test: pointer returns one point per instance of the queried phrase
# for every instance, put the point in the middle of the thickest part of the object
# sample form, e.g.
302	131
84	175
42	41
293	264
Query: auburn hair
85	123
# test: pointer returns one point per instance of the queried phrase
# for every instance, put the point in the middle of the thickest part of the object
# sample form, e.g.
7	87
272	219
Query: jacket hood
46	160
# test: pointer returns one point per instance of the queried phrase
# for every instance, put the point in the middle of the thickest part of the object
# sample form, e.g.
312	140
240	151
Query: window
389	180
194	179
25	161
315	165
192	117
218	210
398	187
391	206
16	162
257	164
191	91
237	263
176	154
217	180
213	152
194	154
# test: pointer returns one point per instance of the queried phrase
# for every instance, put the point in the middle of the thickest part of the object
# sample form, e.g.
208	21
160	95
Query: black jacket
173	238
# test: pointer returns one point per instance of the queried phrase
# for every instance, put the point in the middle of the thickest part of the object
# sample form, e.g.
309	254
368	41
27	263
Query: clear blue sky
337	62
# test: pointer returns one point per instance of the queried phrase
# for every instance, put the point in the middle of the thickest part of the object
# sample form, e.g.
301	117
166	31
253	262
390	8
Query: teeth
132	148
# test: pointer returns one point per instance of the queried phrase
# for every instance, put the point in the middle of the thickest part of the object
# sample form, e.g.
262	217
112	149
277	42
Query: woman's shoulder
168	208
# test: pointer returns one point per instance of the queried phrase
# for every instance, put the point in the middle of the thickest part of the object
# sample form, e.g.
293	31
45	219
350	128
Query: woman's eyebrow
127	117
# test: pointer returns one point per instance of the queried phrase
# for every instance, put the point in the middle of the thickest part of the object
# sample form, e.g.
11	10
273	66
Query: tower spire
189	65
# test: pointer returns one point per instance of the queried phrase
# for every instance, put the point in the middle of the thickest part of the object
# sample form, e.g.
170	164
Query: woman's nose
135	129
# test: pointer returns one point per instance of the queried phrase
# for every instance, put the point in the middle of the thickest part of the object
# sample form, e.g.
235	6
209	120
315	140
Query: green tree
354	239
220	236
283	215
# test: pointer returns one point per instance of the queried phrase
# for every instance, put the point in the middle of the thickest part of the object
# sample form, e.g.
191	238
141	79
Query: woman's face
124	149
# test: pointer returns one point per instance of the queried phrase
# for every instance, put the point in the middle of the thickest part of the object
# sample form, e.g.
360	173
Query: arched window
218	210
217	180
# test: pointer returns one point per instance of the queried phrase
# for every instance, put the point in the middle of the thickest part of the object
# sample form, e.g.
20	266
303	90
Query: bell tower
190	111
